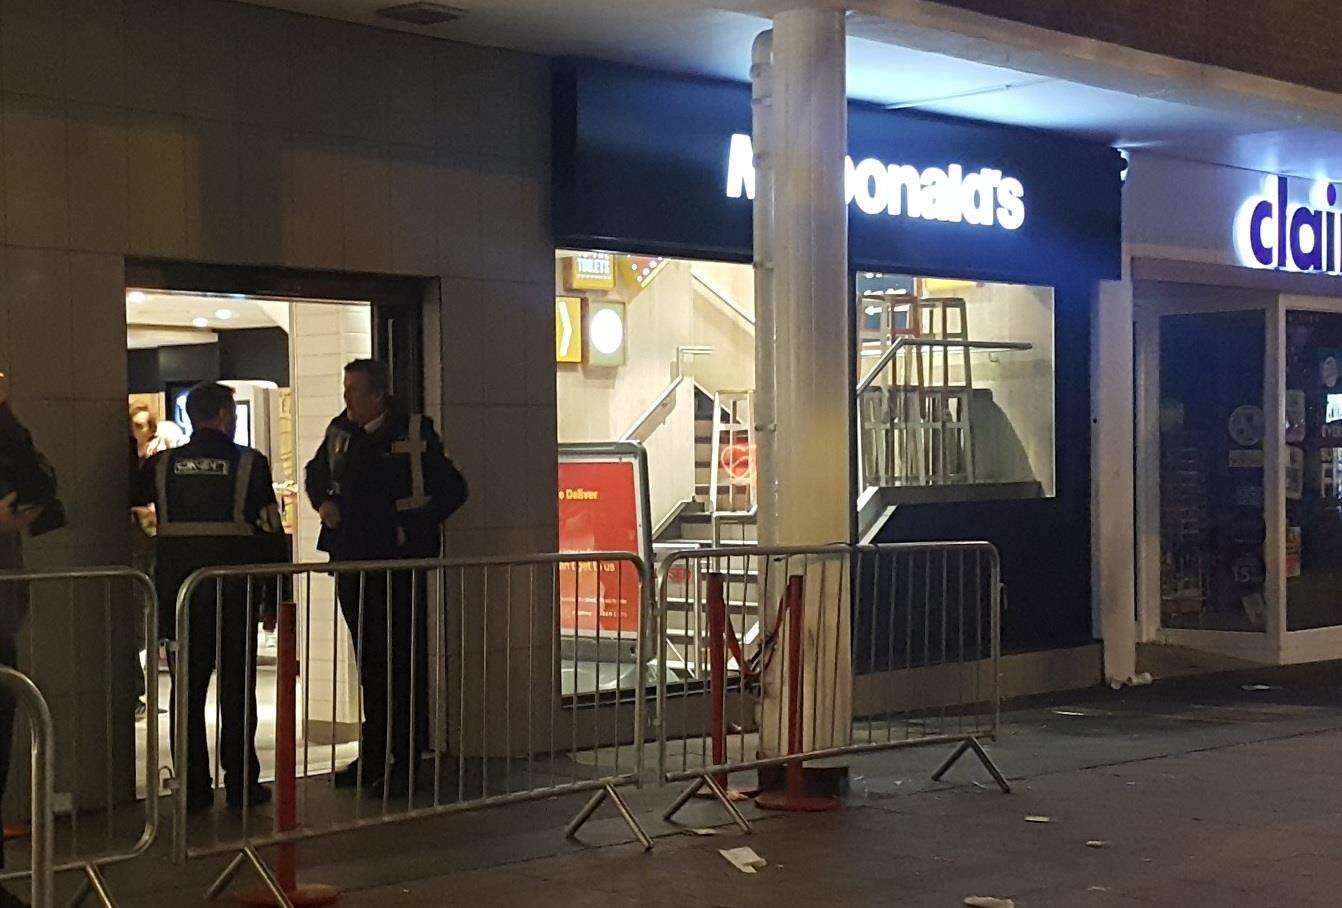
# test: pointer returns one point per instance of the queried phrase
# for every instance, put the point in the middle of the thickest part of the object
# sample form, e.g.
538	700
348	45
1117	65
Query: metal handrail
635	432
43	760
718	518
724	299
902	342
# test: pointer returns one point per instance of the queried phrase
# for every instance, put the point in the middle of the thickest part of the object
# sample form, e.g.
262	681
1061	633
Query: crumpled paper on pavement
744	859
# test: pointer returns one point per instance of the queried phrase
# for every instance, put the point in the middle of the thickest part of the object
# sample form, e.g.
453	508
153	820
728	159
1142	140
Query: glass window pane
1211	471
957	387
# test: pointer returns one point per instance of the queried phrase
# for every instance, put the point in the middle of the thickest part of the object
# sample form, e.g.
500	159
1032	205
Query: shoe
349	776
258	796
141	711
199	799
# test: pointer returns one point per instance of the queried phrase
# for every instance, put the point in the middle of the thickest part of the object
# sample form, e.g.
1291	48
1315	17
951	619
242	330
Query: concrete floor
318	757
1203	793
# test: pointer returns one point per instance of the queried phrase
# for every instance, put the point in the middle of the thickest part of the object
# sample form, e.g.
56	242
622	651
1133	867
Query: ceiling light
223	314
200	321
135	297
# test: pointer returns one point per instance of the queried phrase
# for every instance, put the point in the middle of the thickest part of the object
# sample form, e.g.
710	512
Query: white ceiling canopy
912	54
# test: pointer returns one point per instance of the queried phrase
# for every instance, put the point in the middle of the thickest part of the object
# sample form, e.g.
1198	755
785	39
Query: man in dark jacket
215	505
383	487
17	456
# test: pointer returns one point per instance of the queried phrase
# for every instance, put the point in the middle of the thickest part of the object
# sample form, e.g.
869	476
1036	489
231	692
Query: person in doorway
22	467
215	505
151	436
147	437
383	487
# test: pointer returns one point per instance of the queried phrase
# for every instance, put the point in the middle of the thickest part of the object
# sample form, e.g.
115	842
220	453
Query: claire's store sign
1274	230
650	163
982	198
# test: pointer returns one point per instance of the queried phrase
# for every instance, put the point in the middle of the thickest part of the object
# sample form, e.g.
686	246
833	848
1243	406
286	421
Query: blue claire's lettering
984	198
1271	231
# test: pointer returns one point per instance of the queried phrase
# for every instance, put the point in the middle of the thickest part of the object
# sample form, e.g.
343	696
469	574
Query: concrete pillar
1112	466
810	388
766	426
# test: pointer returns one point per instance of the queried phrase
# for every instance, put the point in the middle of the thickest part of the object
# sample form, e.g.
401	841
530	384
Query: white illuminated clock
607	331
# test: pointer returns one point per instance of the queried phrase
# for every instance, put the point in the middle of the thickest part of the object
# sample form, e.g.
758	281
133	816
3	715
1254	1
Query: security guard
383	488
216	506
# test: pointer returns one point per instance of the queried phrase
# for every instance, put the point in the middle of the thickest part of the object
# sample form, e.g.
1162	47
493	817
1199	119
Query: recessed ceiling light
200	321
135	297
223	314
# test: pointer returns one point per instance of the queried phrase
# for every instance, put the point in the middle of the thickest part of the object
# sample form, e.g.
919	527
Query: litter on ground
744	859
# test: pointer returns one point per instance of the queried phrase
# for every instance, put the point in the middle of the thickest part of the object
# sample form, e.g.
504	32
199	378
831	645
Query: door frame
1152	300
398	305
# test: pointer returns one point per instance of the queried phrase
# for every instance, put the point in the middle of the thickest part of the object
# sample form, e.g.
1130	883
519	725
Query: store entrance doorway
281	342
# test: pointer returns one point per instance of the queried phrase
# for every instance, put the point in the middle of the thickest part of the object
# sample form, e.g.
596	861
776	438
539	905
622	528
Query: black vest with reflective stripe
203	494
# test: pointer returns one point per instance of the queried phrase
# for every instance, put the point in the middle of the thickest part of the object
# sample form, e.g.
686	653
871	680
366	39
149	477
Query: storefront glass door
1211	469
1313	465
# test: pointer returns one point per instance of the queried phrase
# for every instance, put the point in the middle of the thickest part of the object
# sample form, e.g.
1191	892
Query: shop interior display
918	424
946	407
1212	438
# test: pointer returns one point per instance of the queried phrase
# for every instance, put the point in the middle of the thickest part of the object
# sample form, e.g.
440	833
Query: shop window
956	388
1212	434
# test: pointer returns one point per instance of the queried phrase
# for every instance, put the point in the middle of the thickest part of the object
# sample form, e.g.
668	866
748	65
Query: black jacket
385	511
19	461
23	469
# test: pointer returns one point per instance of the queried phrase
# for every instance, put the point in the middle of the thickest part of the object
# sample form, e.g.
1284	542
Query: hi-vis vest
412	446
201	495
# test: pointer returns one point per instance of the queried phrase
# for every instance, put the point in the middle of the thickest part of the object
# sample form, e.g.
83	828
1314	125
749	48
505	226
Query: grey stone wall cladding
219	132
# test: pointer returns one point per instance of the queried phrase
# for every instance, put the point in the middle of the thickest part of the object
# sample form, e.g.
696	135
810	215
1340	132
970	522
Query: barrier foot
683	799
794	798
272	891
594	802
629	818
965	746
93	883
299	896
295	895
721	794
272	886
222	881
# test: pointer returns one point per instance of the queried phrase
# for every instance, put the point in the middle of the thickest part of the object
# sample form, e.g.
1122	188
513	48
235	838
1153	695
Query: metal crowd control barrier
86	618
771	656
43	761
460	702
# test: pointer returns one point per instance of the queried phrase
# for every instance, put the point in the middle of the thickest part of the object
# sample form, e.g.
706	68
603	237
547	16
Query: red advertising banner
598	512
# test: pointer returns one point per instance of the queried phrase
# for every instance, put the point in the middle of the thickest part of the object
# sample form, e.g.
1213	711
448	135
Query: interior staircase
720	515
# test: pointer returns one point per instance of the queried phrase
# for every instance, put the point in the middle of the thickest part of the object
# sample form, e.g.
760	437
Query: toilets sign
982	198
1291	225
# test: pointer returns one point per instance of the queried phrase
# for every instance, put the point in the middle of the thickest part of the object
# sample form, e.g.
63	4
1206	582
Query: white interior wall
1021	381
325	337
599	403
